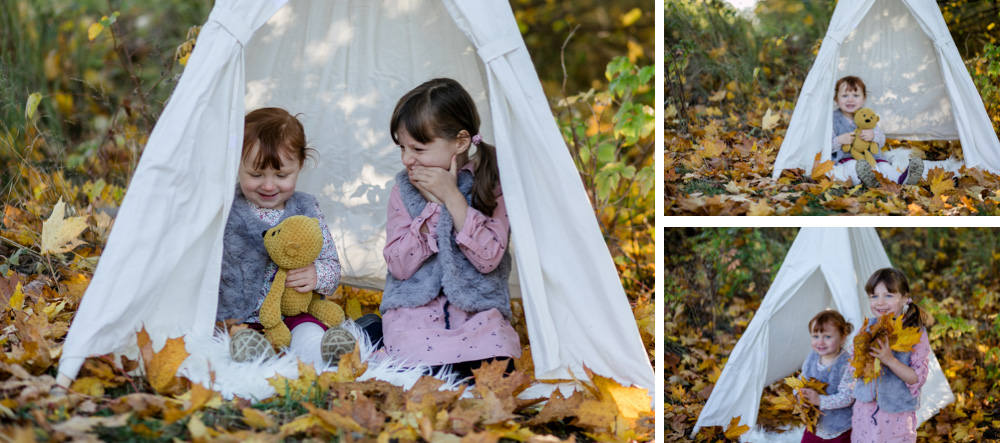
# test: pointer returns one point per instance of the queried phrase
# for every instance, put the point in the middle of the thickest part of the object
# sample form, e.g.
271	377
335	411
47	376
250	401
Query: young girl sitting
826	362
274	150
885	409
850	97
446	300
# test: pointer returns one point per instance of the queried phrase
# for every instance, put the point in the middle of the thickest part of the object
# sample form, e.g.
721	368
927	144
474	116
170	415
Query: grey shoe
915	171
247	345
336	342
866	174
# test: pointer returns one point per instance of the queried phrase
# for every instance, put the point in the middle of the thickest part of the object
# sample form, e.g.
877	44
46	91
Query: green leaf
32	105
584	155
605	153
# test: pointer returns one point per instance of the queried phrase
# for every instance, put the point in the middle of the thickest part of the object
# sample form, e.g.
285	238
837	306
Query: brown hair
895	282
853	84
831	318
442	108
275	131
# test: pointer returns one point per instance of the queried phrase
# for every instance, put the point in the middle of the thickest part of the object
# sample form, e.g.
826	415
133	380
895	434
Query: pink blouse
483	239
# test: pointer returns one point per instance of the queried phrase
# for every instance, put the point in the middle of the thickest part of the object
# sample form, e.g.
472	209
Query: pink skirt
438	333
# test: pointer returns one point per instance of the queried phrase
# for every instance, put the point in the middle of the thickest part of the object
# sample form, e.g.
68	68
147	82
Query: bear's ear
292	249
876	119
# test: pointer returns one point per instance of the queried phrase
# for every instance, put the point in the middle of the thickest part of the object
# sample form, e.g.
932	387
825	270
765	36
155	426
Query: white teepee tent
917	83
826	268
342	65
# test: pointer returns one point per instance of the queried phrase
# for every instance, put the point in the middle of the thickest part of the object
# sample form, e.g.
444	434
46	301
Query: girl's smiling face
849	99
827	341
268	188
883	302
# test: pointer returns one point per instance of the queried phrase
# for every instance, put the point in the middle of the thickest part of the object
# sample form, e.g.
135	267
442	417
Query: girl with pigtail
885	409
446	300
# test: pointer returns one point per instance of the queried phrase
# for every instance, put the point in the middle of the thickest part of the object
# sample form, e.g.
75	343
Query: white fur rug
249	379
899	159
757	434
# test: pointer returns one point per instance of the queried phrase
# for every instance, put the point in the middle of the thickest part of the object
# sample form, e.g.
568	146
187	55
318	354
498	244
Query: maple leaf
941	181
770	120
735	429
59	233
161	367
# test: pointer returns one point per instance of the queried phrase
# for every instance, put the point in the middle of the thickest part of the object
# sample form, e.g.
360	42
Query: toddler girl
446	300
826	362
885	409
274	150
850	97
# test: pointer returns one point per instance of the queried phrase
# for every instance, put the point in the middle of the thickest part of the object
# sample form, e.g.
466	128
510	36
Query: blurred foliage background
715	279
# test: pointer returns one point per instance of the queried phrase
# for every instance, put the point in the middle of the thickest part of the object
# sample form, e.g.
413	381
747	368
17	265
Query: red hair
832	318
853	84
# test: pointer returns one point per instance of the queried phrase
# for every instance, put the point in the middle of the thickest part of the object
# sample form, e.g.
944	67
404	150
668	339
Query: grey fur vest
244	259
892	393
833	421
448	270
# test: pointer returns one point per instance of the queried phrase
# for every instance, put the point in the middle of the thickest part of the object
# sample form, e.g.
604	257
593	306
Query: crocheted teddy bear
292	244
864	118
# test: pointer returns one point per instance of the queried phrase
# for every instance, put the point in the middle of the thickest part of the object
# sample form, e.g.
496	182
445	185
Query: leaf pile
715	279
888	328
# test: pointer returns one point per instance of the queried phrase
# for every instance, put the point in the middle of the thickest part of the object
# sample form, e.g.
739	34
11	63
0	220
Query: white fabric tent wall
825	268
916	80
161	264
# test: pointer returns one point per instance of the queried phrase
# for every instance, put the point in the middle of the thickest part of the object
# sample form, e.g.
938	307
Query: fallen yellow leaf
770	120
161	367
735	430
59	233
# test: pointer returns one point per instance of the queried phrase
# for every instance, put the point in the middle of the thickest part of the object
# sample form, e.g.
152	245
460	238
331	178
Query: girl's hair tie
476	139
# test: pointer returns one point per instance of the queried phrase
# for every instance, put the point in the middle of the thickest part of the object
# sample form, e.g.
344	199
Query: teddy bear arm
270	310
326	311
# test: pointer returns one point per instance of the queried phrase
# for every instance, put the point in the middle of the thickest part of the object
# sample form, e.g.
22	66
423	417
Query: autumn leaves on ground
80	90
731	83
715	279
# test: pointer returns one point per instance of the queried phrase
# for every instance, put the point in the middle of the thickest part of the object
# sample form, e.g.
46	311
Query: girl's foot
247	345
866	174
914	172
336	342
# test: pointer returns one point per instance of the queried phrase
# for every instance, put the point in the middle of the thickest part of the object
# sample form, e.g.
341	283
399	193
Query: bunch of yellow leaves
900	339
787	406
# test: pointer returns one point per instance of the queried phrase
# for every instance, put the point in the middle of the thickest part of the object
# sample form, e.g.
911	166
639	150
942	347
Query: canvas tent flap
153	270
916	80
343	65
776	341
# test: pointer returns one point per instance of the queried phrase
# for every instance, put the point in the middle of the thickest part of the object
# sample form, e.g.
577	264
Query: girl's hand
881	351
440	183
868	135
845	138
302	279
423	190
810	395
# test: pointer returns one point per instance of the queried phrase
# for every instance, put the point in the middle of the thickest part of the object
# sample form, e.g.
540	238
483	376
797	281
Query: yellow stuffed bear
294	243
864	118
